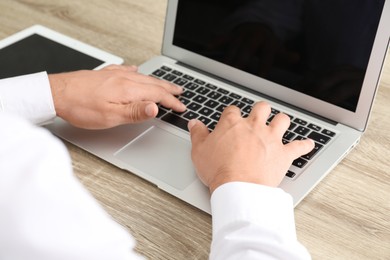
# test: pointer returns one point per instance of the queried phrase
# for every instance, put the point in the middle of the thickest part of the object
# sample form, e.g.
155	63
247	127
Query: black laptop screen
320	48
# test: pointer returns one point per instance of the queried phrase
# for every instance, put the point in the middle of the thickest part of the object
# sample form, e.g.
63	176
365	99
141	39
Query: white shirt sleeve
251	221
45	212
28	96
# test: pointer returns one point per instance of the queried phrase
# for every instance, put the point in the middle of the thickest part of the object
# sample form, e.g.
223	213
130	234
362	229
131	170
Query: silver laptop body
201	41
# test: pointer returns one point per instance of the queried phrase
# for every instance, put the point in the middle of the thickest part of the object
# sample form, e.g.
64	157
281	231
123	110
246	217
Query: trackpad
161	154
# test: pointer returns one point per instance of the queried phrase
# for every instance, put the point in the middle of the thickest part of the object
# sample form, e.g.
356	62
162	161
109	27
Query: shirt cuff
28	96
261	205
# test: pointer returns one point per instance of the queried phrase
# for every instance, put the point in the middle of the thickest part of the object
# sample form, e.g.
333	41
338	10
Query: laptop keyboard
206	103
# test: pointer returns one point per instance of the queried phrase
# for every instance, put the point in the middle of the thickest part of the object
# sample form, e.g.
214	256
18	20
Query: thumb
198	131
140	111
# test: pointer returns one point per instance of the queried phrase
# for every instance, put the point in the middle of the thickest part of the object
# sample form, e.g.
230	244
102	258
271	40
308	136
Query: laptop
317	61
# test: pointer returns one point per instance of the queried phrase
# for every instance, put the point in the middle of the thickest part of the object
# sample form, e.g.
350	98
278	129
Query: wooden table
347	216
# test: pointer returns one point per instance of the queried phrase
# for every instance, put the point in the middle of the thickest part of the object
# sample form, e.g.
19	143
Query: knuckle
134	113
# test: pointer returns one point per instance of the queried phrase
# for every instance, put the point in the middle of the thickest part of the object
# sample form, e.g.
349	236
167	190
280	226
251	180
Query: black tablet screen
37	53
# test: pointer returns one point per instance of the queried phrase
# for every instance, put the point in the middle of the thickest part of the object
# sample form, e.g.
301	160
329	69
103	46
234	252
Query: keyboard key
184	100
300	121
221	108
188	77
180	81
211	86
226	100
274	111
159	73
191	115
292	126
200	82
211	103
328	132
314	127
248	101
247	109
313	152
212	125
235	96
194	106
200	99
191	86
214	95
223	91
290	174
204	120
216	116
203	90
205	111
239	104
166	68
322	139
169	77
188	94
161	112
288	135
177	73
301	130
300	163
176	120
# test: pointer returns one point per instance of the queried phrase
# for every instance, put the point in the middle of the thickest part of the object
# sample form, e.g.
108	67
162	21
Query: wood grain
345	217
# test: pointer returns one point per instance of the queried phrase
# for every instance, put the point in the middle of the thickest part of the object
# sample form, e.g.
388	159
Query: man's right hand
244	149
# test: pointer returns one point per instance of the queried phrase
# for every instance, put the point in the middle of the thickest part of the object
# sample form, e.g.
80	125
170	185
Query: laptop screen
319	48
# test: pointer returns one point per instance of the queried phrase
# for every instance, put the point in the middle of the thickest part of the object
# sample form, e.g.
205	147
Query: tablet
39	48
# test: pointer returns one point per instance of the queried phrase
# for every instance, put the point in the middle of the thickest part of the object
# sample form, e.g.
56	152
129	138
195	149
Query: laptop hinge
208	74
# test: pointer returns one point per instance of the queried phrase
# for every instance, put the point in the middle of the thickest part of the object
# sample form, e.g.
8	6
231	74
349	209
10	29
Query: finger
298	148
138	111
229	116
148	80
280	124
172	102
131	68
198	132
260	113
156	94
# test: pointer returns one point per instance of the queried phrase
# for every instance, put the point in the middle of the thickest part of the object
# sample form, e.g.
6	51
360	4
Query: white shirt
45	213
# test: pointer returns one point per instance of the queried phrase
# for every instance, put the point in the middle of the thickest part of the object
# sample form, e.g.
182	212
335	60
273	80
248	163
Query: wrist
57	86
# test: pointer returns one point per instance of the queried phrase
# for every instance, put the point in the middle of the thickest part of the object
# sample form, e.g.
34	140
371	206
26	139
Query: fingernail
191	123
149	110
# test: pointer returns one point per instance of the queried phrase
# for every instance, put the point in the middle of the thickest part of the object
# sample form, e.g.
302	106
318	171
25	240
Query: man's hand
244	149
109	97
